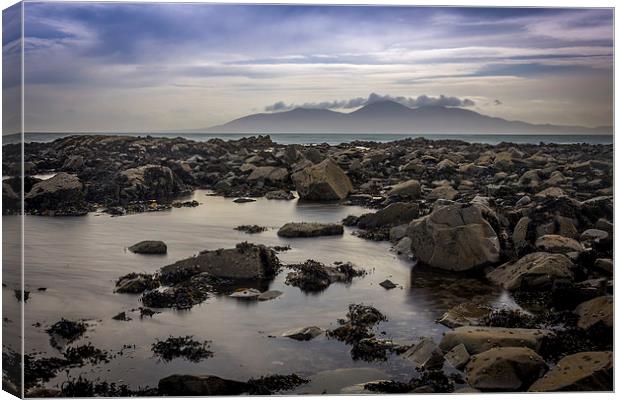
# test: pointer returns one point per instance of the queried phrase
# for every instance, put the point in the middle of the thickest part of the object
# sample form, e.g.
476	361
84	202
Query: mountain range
390	117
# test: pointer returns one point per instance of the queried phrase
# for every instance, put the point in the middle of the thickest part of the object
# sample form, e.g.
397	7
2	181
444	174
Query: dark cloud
420	101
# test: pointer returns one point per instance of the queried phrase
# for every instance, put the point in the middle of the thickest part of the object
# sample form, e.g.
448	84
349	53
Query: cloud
412	102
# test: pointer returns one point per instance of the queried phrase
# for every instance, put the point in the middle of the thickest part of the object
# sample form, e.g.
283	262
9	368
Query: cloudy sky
140	67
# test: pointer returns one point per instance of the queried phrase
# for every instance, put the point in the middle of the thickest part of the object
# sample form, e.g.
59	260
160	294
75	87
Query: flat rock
596	312
505	369
455	237
309	229
269	295
587	371
477	339
535	270
304	333
464	314
245	294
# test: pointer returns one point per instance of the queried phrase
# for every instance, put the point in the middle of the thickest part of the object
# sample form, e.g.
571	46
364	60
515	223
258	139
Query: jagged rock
477	339
394	214
136	283
409	189
587	371
309	229
148	182
149	247
303	334
387	284
245	261
455	237
458	357
59	192
322	182
199	385
505	369
596	312
533	271
425	354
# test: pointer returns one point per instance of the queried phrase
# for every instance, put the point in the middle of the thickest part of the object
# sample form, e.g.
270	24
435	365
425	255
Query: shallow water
78	259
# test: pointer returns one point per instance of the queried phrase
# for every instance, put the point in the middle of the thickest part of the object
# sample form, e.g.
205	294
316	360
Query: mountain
390	117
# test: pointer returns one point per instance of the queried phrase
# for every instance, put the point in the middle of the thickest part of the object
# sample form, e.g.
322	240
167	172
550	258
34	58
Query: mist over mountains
389	117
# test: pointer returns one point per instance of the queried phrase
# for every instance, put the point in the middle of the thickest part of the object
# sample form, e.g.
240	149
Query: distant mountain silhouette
389	117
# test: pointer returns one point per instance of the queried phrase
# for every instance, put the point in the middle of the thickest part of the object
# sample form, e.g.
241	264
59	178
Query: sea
338	138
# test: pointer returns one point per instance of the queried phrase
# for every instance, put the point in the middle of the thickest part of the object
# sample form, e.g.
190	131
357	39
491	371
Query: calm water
334	139
78	260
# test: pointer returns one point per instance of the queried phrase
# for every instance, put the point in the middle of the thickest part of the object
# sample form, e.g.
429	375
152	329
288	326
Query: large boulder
598	312
309	229
60	191
245	261
505	369
199	385
322	182
394	214
148	182
480	338
409	189
456	237
587	371
533	271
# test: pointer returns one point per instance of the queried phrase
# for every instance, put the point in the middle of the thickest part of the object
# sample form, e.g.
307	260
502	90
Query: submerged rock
309	229
455	237
322	182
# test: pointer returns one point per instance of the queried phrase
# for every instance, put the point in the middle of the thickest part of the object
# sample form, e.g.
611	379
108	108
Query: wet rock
456	237
360	319
200	385
558	244
533	271
245	294
269	295
387	284
185	204
322	182
148	182
313	276
242	200
458	356
303	334
245	261
279	195
149	247
62	194
505	369
410	189
586	371
425	354
479	339
394	214
251	228
122	316
404	247
136	283
464	314
598	312
182	347
309	229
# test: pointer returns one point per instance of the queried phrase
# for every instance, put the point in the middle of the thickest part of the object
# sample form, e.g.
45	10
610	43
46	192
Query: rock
122	316
11	201
59	192
394	214
309	229
445	192
594	235
398	232
425	354
271	174
455	237
458	357
605	225
148	182
404	247
199	385
410	189
73	163
279	195
558	244
245	294
533	271
477	339
505	369
312	276
524	201
464	314
245	261
136	283
241	200
519	235
269	295
303	334
149	247
587	371
387	284
322	182
596	312
605	264
552	192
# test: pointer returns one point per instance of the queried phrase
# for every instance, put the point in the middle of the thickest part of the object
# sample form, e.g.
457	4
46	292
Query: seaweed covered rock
455	237
200	385
322	182
313	276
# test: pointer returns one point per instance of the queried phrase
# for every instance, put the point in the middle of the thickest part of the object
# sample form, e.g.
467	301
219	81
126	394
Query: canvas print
231	199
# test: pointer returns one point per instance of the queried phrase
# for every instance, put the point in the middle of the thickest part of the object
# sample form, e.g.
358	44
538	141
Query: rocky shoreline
534	220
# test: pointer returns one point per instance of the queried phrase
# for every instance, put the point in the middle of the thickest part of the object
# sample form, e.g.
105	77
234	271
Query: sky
142	67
